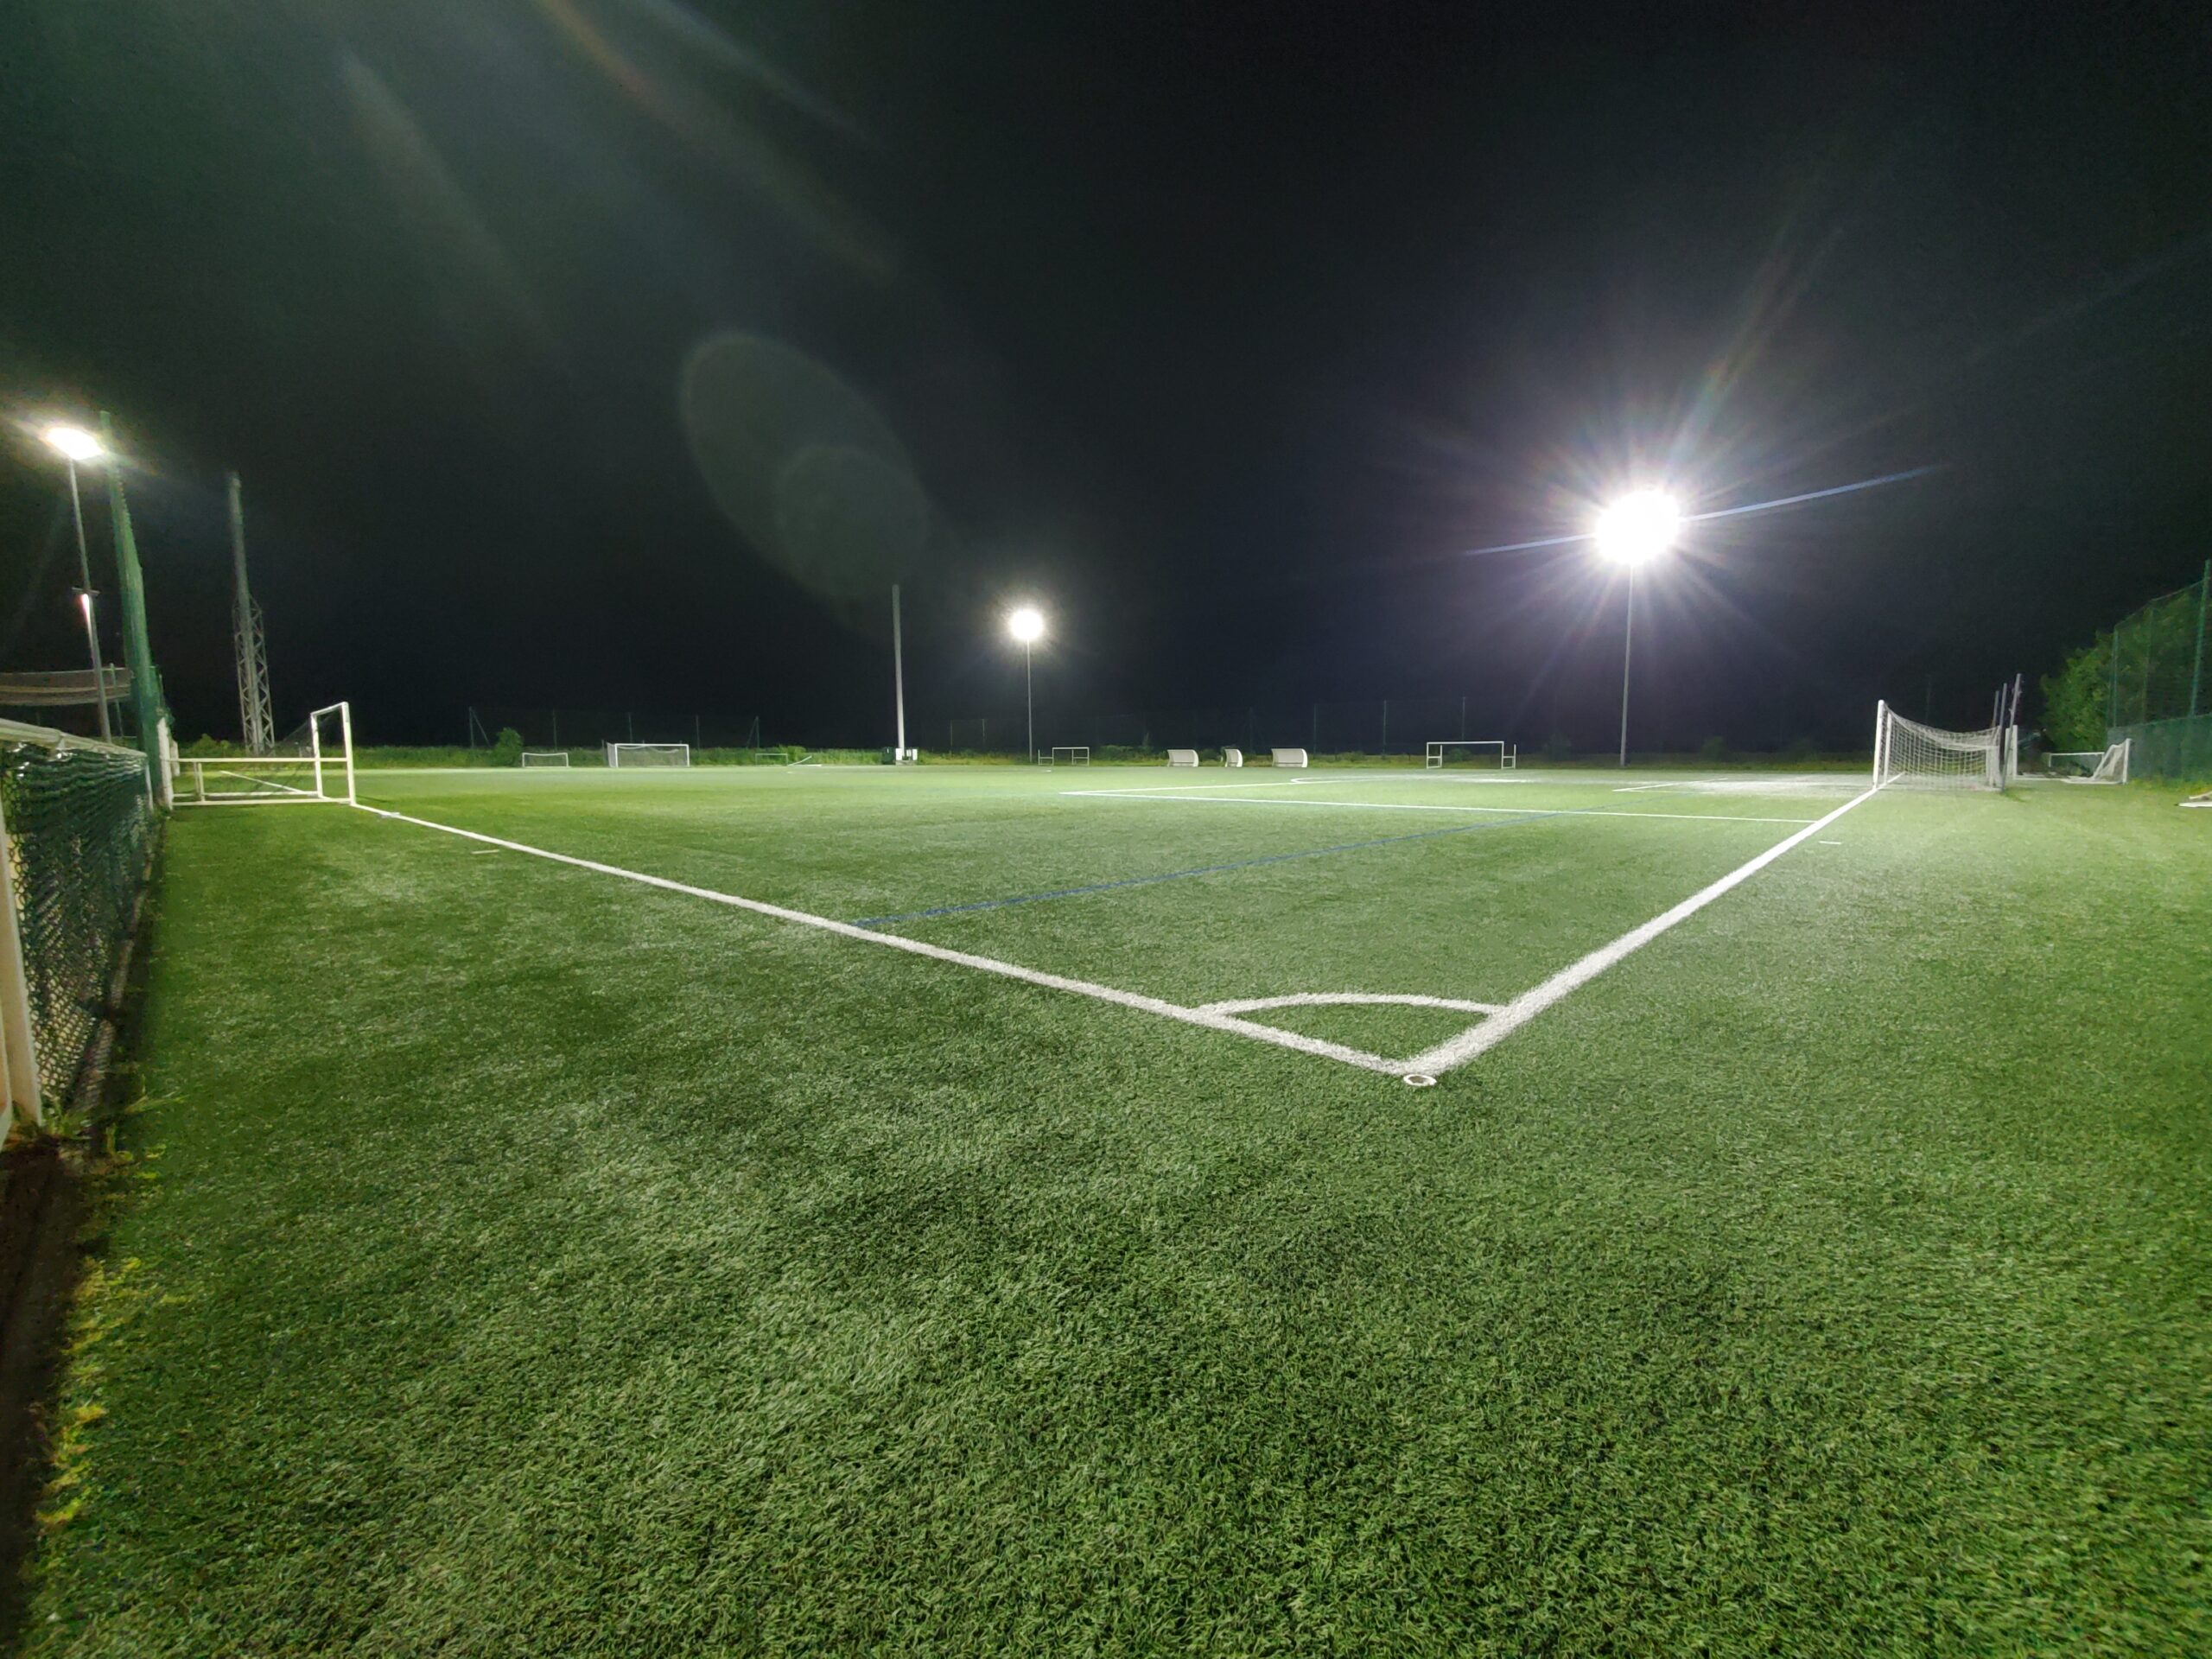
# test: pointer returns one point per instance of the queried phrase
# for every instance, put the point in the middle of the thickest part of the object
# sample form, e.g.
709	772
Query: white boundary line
1221	1016
1211	1019
1431	806
1527	1006
1350	1000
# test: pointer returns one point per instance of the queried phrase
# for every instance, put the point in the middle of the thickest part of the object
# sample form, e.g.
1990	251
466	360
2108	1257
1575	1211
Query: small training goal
649	754
1909	756
545	756
2108	765
1068	755
314	762
1473	755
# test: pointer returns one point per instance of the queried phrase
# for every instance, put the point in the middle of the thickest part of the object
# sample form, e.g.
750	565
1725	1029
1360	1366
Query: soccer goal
649	754
1068	755
314	762
1474	755
2108	765
1909	756
545	756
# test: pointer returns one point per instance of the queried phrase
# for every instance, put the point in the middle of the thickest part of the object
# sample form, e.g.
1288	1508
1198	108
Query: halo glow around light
74	442
1638	527
1026	624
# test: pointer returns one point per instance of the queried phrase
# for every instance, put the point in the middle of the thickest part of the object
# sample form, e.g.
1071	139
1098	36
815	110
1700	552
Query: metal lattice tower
248	639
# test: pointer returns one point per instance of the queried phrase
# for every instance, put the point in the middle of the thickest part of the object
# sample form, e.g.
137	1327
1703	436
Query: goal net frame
2106	766
1067	754
1509	754
637	751
1909	756
312	767
544	758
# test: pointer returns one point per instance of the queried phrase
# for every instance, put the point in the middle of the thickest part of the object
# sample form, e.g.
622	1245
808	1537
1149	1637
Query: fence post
21	1049
2197	674
2111	702
1385	745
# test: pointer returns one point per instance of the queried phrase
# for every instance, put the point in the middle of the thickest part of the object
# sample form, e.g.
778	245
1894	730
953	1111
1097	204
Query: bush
507	752
2074	698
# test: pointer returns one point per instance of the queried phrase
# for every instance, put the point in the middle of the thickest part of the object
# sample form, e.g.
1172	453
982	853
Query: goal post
313	764
544	758
1477	754
648	754
1909	756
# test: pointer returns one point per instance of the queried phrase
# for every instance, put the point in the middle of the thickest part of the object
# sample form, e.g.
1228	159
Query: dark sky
1222	330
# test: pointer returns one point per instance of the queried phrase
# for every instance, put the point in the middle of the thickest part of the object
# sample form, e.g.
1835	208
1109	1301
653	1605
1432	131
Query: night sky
619	355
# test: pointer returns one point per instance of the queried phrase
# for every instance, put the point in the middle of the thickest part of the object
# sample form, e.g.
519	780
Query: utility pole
249	640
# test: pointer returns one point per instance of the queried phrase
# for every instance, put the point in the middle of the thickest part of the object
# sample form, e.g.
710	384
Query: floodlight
74	442
1026	624
1638	527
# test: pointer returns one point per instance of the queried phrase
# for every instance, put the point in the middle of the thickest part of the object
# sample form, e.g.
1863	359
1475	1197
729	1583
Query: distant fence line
565	728
2156	693
1382	726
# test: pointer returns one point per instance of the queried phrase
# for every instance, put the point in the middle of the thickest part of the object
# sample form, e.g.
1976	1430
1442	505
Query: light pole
1633	531
1028	626
74	444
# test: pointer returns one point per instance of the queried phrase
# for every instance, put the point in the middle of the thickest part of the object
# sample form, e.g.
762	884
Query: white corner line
1211	1019
1350	1000
1526	1007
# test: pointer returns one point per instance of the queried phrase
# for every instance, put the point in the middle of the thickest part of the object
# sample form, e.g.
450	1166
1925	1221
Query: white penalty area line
1527	1006
1426	806
1212	1019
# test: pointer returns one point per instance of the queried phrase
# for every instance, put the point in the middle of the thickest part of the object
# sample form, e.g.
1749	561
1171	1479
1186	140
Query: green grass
540	1263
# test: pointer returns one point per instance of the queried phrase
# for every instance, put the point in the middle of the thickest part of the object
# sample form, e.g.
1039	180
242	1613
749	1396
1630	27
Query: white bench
1182	757
1233	757
1290	757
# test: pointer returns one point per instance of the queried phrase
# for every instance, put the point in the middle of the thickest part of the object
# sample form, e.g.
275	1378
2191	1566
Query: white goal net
649	754
545	756
313	762
1909	756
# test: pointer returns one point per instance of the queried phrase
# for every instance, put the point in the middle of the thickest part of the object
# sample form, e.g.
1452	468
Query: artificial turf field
537	1261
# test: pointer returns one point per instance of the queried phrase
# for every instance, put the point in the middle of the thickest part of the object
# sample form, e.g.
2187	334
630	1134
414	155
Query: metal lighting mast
247	638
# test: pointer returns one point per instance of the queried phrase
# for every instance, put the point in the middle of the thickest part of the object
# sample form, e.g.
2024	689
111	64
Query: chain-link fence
2156	693
79	825
566	728
1379	726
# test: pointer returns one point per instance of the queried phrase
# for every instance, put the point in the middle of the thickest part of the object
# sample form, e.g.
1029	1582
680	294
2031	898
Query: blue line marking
1202	869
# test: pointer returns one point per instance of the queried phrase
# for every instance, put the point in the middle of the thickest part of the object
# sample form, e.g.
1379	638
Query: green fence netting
79	826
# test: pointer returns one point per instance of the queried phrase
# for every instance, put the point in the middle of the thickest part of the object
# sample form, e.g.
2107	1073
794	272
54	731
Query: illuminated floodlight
1026	625
1638	527
74	442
